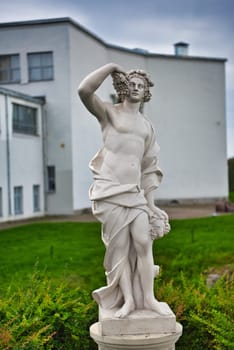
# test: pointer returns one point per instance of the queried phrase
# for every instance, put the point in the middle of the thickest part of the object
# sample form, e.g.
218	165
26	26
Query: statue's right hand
118	69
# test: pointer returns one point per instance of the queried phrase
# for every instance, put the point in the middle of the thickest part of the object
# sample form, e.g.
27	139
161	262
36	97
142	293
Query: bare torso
124	137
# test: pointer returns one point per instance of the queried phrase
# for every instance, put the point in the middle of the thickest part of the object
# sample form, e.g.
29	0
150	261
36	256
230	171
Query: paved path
174	212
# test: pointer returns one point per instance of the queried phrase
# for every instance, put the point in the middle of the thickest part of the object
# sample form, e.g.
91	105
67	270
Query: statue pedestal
164	341
137	322
141	329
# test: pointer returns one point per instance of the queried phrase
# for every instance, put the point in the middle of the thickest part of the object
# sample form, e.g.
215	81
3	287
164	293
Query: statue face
136	89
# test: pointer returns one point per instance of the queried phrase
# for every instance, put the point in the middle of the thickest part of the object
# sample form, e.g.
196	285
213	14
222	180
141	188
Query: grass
74	251
66	250
196	245
51	269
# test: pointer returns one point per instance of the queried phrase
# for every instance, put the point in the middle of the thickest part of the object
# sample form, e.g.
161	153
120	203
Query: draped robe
116	206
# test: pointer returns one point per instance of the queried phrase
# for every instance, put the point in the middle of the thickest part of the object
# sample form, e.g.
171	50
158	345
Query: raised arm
90	84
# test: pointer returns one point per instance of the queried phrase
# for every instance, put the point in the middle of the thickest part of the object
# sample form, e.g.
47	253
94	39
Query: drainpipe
44	153
8	158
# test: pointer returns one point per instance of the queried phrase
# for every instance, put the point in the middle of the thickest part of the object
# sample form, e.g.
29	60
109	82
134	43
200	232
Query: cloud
154	33
154	25
34	9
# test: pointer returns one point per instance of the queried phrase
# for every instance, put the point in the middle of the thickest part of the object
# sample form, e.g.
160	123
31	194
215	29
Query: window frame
10	69
36	198
51	179
1	202
24	127
41	67
18	200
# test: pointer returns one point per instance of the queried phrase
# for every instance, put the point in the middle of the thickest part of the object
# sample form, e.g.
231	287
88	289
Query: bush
206	314
231	196
40	312
46	316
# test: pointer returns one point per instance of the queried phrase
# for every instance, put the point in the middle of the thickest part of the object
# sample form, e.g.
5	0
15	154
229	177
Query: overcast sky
154	25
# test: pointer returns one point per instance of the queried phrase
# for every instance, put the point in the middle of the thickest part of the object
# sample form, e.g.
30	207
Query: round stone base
164	341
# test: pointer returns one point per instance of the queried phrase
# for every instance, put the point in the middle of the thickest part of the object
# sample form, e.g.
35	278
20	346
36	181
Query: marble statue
126	173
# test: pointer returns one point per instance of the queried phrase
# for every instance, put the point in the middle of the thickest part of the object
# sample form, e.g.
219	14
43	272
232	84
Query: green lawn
66	250
44	305
75	250
196	245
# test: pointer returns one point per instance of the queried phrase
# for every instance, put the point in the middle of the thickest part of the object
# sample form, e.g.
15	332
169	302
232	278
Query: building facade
50	57
21	156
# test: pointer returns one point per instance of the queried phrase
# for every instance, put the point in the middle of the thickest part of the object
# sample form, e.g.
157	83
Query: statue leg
145	263
125	279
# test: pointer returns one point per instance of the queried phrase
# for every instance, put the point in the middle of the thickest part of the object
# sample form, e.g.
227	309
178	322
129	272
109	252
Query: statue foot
125	309
154	305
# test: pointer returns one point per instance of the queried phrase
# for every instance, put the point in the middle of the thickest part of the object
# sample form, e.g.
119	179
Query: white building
21	156
49	58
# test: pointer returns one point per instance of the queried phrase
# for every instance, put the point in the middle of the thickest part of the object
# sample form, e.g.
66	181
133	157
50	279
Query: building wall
86	132
3	160
42	38
25	162
189	115
187	110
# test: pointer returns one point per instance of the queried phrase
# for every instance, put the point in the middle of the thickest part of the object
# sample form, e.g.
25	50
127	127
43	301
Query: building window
24	119
9	69
18	200
40	66
1	212
51	178
36	197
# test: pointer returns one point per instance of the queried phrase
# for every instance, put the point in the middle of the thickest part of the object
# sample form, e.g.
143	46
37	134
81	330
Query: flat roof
136	51
35	99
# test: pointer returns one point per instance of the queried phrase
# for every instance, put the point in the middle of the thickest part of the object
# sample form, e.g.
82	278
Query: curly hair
121	81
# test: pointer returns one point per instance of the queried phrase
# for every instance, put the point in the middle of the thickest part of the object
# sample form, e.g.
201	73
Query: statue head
121	82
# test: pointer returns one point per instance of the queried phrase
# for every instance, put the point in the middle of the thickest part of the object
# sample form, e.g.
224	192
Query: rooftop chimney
181	49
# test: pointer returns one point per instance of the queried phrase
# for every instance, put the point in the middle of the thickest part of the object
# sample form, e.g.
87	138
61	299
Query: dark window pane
35	74
15	61
51	178
18	200
36	198
47	73
40	66
24	119
46	59
1	211
4	76
4	62
15	75
34	60
9	69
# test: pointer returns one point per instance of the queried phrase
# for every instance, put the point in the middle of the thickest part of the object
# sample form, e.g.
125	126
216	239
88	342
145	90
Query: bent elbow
83	92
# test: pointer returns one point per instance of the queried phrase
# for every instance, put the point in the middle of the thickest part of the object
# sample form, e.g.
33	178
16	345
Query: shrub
46	315
206	314
52	315
40	312
231	196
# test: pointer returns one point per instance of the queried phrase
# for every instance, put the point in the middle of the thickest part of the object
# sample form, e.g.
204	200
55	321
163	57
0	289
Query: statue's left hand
159	223
159	213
